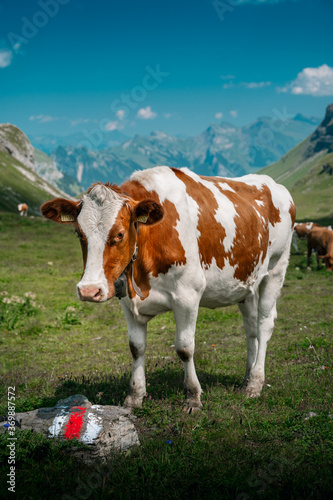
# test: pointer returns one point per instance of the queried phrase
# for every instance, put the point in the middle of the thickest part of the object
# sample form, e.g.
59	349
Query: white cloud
79	121
255	85
247	85
120	114
6	57
312	81
43	118
146	113
227	77
229	85
219	115
112	126
234	113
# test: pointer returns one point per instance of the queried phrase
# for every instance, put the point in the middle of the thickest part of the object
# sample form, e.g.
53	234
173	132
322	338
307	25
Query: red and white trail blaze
179	241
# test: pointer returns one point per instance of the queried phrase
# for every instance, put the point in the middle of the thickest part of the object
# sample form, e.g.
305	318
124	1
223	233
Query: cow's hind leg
186	318
269	291
137	334
249	310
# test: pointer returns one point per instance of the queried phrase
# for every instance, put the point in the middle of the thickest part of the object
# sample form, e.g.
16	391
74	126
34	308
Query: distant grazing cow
301	230
320	239
169	239
23	209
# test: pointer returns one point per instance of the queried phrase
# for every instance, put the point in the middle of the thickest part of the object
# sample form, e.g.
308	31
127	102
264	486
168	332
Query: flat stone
103	429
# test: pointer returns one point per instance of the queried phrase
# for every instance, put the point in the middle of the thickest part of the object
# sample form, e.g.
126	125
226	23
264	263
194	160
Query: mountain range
222	149
307	171
30	175
19	182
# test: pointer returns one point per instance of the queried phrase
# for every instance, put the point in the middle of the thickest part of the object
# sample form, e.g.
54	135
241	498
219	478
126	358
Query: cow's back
227	229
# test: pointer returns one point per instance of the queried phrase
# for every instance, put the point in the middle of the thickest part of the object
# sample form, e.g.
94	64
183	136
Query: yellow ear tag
67	218
143	218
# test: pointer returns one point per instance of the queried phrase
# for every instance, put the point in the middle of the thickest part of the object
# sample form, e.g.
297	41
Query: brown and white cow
23	209
320	239
178	241
301	231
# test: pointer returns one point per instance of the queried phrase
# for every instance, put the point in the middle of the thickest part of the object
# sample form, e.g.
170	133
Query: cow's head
328	261
106	221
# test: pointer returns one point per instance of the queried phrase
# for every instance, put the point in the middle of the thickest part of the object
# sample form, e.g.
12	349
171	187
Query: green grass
312	191
53	346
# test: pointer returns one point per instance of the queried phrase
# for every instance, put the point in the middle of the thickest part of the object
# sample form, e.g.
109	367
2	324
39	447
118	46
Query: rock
17	144
103	428
311	414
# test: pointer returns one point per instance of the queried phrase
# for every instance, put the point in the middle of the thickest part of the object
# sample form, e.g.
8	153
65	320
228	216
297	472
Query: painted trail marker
103	428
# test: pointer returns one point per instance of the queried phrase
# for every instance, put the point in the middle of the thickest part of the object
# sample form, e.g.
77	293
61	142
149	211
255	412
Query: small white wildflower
71	309
6	300
50	263
17	299
33	303
30	295
4	293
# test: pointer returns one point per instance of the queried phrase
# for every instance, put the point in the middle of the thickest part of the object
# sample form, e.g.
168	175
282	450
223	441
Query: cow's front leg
137	334
186	318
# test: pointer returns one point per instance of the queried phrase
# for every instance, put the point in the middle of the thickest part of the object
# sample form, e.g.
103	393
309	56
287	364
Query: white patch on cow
260	203
98	214
226	187
169	187
309	226
226	212
93	428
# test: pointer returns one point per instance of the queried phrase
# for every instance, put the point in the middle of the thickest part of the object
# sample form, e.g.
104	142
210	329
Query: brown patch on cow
252	220
292	211
320	239
159	247
303	228
118	252
134	351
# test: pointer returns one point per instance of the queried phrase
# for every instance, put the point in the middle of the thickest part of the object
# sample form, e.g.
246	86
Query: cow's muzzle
91	293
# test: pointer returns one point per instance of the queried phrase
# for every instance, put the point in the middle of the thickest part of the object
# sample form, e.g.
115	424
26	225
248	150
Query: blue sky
176	66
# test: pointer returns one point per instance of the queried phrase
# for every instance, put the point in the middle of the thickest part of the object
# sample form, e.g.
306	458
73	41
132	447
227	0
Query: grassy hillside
53	346
301	171
312	190
18	184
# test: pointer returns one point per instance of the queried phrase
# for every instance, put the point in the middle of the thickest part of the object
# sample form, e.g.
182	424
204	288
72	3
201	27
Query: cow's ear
148	212
61	210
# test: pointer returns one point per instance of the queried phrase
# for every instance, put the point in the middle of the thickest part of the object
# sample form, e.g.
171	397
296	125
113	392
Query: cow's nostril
91	293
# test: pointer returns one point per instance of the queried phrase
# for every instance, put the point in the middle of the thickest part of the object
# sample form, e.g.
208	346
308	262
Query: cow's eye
119	236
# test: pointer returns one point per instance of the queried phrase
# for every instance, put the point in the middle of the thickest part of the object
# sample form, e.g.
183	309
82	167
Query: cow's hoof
192	403
132	402
253	391
191	409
